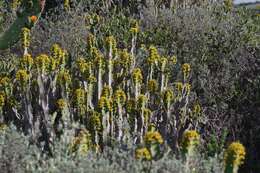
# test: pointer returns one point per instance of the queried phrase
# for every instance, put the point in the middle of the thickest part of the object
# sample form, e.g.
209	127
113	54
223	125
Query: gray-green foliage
18	155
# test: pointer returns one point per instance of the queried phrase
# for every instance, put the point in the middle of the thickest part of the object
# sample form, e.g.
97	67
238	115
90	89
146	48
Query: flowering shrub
152	81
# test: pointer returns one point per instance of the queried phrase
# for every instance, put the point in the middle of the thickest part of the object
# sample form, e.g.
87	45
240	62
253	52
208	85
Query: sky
245	1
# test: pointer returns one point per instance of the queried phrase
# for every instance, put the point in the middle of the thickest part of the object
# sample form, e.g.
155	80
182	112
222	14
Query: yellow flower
95	121
22	76
106	91
167	96
197	109
2	100
58	54
190	140
153	138
137	75
152	86
120	96
91	40
125	59
67	4
179	86
143	154
141	101
27	61
42	62
82	142
147	115
235	154
61	104
5	81
173	60
79	96
26	36
186	69
111	41
135	27
64	77
187	87
153	55
104	104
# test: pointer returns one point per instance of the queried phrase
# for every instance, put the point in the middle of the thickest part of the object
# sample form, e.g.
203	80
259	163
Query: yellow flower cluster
61	104
141	101
235	154
79	97
66	4
186	69
135	27
106	91
197	109
42	62
2	100
190	139
147	115
125	59
120	96
179	86
111	42
153	138
22	76
91	40
152	86
95	120
26	36
26	61
5	81
58	54
187	87
93	19
98	57
104	104
163	62
173	60
143	154
63	77
137	76
168	96
82	142
130	105
82	65
153	55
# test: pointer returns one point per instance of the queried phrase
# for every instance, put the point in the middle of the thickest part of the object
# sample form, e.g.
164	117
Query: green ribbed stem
12	35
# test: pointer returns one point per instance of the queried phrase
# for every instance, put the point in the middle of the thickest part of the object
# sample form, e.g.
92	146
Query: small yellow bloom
190	140
143	154
120	96
5	81
104	104
137	75
2	100
153	138
235	154
42	62
22	76
61	104
152	86
27	61
186	69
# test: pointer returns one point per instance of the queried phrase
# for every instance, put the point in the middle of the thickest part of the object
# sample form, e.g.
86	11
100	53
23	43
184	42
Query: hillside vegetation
129	86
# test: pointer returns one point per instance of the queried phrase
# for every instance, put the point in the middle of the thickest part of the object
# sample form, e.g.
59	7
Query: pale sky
245	1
